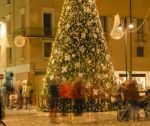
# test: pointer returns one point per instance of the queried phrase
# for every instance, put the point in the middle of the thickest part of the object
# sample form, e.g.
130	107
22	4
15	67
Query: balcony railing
35	32
140	38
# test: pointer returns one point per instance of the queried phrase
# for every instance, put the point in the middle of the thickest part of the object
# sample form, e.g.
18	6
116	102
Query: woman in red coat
65	93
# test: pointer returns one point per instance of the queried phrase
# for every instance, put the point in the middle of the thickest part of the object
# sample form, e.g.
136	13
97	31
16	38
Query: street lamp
119	30
130	70
126	29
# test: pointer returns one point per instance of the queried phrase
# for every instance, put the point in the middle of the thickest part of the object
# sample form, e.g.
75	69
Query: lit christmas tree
80	48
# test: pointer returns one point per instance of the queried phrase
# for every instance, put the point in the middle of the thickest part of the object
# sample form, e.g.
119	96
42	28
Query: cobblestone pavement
37	118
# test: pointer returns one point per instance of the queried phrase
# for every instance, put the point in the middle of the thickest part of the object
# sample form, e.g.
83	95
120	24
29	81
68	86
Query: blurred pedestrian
27	91
65	92
12	100
54	99
3	95
120	91
78	97
1	109
19	95
131	94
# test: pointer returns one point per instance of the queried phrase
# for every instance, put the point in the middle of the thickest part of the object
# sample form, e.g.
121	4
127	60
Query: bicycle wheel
119	115
2	123
122	114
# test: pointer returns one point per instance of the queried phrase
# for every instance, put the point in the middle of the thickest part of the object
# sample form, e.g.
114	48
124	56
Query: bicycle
2	123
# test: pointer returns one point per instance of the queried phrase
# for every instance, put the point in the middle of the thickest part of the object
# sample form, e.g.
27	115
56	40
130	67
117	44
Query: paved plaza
38	118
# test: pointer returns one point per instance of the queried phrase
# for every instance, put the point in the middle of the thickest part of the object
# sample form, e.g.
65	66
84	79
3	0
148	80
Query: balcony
140	38
35	32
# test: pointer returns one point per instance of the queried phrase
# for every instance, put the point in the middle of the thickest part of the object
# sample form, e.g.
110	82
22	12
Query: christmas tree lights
80	49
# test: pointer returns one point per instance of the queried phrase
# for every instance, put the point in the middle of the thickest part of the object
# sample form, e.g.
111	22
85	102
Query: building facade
28	28
27	31
129	53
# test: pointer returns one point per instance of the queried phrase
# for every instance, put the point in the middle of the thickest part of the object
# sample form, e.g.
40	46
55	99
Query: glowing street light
2	30
119	30
131	26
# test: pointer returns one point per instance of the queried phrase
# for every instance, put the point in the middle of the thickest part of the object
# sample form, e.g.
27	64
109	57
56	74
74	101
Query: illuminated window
140	78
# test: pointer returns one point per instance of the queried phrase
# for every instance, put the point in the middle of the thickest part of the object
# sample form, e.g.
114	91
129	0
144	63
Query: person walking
19	95
131	94
53	100
65	92
78	97
27	91
3	95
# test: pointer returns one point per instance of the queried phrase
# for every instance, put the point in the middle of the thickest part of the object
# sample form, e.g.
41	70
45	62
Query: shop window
140	79
140	51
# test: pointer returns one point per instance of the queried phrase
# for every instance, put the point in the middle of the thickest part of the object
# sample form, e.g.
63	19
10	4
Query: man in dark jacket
1	108
54	99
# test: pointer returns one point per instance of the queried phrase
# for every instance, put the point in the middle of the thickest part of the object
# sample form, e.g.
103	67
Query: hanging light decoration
116	32
19	41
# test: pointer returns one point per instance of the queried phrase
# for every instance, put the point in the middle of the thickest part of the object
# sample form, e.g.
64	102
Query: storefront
140	78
